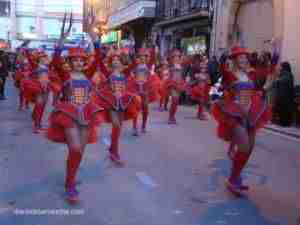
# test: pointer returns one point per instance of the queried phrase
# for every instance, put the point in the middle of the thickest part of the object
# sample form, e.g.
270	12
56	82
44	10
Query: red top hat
113	54
143	52
237	51
175	52
125	51
42	54
77	52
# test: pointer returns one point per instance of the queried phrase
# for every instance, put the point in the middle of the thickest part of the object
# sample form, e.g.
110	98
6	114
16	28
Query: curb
284	132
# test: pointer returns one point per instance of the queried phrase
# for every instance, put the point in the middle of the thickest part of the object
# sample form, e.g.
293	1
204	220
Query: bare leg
38	113
135	126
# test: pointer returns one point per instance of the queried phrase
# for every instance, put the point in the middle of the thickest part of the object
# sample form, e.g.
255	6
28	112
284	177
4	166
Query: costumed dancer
144	83
175	84
41	74
23	71
201	88
37	87
163	75
75	118
119	104
240	113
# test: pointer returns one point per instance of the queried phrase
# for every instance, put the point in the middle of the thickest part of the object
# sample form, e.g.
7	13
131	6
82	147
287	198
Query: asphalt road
174	175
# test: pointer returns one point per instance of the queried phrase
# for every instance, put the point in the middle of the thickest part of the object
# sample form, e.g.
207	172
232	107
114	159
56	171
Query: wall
44	16
285	25
291	34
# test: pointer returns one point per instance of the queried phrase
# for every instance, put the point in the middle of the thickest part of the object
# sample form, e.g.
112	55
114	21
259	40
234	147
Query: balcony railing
183	8
127	3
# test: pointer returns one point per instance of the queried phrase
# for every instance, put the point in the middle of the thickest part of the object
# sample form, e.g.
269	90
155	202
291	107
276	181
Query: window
74	6
25	5
77	28
3	24
4	8
26	24
51	27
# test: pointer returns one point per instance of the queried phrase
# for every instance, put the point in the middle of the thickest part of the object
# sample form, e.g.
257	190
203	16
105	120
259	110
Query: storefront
134	19
192	36
111	38
194	45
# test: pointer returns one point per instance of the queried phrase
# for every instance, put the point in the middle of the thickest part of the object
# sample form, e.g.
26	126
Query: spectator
213	69
284	95
253	59
264	68
4	72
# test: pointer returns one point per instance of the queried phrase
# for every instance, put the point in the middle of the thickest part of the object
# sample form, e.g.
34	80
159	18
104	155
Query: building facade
254	23
184	24
135	19
39	20
102	10
5	12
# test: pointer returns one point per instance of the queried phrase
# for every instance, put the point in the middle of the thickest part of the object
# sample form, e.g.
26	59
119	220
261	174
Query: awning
176	20
136	10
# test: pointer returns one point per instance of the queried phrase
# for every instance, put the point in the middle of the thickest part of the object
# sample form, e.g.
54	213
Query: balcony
184	8
132	10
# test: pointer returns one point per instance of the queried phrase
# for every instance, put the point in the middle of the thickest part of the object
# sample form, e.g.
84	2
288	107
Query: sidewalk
289	131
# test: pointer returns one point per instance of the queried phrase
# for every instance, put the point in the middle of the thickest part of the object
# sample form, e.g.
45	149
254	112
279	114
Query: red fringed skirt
200	93
228	115
31	89
130	104
66	115
151	87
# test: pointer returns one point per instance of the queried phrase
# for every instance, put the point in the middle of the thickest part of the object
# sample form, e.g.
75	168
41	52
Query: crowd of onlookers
6	67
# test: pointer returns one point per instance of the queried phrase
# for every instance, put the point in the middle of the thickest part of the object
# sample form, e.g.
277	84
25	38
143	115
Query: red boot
239	161
73	163
166	102
200	113
135	129
145	119
37	115
114	148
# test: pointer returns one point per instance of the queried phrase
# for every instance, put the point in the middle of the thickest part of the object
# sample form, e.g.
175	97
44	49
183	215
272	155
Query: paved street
174	176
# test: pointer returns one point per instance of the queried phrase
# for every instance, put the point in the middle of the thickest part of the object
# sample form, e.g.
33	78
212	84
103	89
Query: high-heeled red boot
73	163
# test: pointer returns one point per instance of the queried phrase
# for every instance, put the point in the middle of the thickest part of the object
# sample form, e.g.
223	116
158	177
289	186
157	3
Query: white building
39	20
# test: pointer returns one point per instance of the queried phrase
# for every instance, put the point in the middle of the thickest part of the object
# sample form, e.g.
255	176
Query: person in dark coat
284	95
4	72
213	69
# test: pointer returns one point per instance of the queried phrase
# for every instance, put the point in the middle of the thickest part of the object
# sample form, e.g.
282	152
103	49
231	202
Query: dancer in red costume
41	80
241	112
36	87
164	76
76	117
201	88
22	74
119	104
175	84
144	83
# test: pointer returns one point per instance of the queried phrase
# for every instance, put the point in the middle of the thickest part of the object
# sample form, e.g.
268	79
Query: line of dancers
90	89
